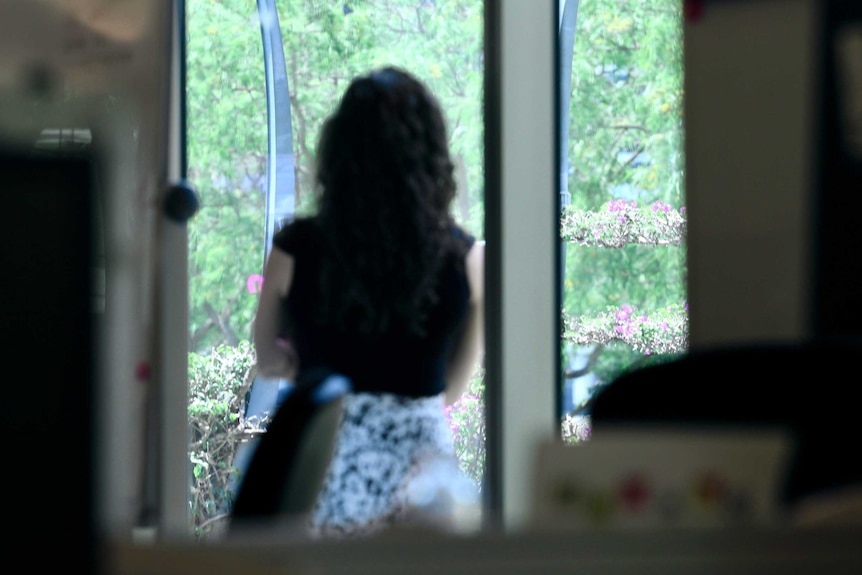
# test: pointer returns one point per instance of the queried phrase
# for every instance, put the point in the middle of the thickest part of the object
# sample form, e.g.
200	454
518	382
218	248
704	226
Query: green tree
626	105
226	123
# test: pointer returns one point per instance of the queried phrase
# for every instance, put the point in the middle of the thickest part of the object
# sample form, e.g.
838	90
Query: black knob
181	201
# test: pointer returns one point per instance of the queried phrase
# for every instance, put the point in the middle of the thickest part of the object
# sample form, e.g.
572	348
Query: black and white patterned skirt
383	441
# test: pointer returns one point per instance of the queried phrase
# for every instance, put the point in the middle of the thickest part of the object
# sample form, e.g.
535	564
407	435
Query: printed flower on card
635	493
710	488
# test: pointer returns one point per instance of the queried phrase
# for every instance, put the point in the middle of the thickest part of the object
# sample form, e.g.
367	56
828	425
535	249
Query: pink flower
624	328
254	283
623	313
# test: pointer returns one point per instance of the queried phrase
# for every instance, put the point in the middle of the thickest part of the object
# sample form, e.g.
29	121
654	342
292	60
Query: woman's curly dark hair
386	183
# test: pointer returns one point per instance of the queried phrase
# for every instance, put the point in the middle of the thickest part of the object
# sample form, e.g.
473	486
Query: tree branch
628	162
199	334
221	322
591	362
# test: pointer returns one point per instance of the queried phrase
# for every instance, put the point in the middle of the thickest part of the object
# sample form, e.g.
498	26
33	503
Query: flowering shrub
623	222
662	331
467	420
576	428
218	384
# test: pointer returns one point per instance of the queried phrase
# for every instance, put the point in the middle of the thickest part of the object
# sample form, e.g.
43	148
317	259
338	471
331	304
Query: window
252	163
623	221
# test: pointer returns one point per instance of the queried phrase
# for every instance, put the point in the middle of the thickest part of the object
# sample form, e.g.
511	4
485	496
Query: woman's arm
275	358
470	345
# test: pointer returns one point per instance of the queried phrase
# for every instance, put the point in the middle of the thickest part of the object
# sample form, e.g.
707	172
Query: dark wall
838	190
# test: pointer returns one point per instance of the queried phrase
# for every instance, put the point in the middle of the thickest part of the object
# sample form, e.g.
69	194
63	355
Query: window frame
522	275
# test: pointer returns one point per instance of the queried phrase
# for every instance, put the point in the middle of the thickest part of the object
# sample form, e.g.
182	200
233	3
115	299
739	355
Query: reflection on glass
624	232
325	45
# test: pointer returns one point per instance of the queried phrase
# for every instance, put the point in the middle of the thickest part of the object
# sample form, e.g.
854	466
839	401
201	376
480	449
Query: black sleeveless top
412	366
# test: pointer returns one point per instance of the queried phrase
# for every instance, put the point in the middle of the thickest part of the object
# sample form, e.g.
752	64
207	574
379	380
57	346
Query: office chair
286	471
806	388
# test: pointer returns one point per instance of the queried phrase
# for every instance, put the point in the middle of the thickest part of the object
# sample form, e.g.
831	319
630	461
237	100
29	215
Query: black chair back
286	471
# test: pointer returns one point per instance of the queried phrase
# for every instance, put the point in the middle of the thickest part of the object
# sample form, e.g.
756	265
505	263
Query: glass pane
227	148
624	232
326	44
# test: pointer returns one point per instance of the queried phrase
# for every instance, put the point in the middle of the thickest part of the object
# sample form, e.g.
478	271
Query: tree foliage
226	124
626	103
218	384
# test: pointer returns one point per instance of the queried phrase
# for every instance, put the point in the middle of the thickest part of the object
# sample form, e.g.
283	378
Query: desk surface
740	552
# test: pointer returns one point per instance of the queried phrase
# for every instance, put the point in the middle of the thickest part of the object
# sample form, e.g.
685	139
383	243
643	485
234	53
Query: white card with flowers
661	478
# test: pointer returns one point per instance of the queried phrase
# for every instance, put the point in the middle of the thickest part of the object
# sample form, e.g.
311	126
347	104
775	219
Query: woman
383	287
